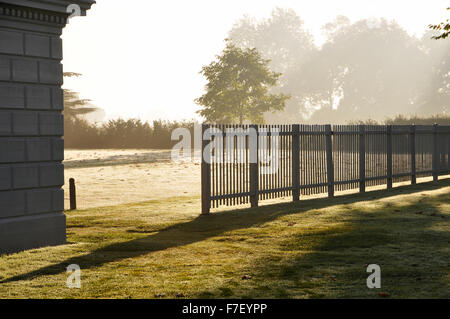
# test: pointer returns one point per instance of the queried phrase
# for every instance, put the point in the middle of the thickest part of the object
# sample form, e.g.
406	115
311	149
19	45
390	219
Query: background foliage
364	69
120	133
237	89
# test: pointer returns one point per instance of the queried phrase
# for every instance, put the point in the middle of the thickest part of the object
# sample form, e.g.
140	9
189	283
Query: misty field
317	248
106	177
112	177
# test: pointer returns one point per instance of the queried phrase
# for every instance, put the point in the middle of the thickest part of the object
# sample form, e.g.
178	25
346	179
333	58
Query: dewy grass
317	248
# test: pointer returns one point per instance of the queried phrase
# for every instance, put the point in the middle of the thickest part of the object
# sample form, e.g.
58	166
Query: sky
143	60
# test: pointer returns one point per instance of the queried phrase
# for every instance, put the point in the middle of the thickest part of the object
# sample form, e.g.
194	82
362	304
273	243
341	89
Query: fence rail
244	164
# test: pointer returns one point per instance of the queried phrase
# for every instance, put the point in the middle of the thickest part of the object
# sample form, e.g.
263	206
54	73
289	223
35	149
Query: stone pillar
31	123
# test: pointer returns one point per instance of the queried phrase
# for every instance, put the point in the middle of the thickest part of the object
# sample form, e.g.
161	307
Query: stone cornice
32	14
51	5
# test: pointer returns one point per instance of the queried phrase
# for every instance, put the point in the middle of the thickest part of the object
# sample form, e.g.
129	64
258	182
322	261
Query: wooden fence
247	163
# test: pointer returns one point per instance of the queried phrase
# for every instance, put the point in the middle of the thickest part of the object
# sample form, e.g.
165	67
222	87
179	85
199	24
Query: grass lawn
316	248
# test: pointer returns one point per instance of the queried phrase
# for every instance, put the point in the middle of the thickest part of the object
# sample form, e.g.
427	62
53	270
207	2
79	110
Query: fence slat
330	166
205	174
389	156
362	159
295	162
254	174
435	152
413	154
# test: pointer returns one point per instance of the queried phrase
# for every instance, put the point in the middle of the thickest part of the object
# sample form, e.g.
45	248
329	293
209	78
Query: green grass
317	248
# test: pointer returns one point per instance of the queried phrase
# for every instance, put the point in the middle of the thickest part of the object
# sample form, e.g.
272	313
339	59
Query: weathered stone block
50	72
51	123
5	178
39	149
5	69
32	232
38	97
58	149
12	203
51	175
25	71
25	123
39	201
58	200
25	176
5	123
11	42
57	98
12	96
57	49
37	45
12	150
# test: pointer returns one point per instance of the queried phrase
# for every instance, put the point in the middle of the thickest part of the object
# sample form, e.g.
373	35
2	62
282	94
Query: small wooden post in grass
254	180
435	152
205	173
72	194
389	156
330	165
362	158
413	154
295	162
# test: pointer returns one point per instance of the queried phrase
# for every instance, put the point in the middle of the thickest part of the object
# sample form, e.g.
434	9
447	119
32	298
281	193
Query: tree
283	39
237	88
364	71
280	38
435	93
73	104
444	27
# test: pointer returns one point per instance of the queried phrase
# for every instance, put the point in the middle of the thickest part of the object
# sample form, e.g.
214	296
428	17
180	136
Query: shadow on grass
204	227
404	241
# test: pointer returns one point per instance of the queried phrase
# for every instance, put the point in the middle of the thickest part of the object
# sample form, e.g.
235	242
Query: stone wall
31	125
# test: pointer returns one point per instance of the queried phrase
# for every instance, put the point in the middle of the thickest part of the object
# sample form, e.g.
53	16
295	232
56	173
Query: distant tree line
408	120
133	133
120	133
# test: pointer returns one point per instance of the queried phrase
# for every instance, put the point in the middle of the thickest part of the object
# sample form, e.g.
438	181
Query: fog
145	62
368	69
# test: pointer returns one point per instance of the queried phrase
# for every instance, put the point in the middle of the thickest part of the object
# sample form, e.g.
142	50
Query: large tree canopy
237	88
365	69
283	40
368	71
280	38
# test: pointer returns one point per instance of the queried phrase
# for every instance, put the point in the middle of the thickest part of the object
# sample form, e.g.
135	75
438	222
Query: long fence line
295	160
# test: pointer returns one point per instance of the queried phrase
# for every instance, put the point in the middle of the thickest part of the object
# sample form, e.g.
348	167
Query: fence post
295	162
72	194
413	154
362	158
206	173
389	156
435	152
254	182
330	166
